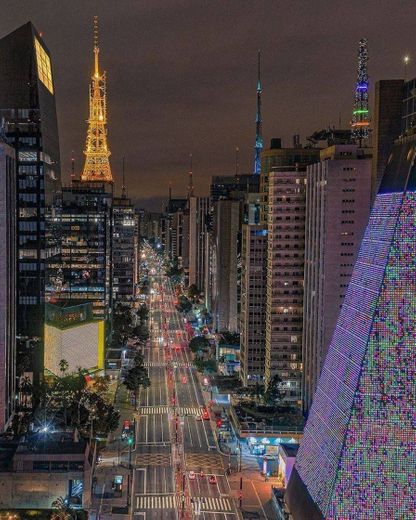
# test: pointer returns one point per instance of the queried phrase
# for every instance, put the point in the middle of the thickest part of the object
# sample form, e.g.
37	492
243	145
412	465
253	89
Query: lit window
44	66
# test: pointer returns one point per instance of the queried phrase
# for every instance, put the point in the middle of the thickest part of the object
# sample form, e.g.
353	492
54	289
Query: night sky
182	76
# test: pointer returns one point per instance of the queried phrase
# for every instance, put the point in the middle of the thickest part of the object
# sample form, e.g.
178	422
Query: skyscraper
27	106
198	212
8	314
253	294
337	208
125	248
286	207
356	458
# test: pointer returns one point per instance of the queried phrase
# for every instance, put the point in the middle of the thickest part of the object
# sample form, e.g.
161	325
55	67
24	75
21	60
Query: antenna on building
191	179
72	166
170	190
258	147
360	116
123	187
237	162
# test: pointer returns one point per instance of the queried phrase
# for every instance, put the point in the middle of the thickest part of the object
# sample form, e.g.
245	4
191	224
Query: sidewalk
114	464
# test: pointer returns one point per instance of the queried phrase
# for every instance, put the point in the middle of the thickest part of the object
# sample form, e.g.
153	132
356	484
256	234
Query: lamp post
406	60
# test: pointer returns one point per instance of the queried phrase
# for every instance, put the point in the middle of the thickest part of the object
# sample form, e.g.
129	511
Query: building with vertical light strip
356	458
198	213
8	315
27	106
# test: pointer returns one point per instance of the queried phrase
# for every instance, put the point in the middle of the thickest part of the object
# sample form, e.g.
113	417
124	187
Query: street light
406	60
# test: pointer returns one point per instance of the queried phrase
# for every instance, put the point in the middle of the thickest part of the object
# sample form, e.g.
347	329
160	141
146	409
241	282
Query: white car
191	475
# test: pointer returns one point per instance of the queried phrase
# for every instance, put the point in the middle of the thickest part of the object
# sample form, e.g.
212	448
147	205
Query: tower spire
259	137
360	115
123	186
191	179
97	164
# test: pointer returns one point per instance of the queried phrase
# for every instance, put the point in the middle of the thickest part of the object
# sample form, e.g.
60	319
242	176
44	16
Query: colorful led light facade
357	457
360	115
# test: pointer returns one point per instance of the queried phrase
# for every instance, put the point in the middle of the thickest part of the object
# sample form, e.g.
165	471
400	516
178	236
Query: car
212	479
205	415
191	475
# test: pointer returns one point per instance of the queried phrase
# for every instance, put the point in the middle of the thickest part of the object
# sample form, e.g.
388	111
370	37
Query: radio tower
360	116
97	165
259	138
190	179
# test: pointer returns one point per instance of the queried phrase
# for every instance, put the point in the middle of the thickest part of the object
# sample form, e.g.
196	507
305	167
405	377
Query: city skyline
145	59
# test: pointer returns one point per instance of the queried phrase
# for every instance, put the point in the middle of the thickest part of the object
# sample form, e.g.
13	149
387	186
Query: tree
63	366
274	392
143	313
198	343
193	292
63	511
136	378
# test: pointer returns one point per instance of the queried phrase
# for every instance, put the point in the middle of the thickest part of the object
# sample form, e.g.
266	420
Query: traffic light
219	423
130	441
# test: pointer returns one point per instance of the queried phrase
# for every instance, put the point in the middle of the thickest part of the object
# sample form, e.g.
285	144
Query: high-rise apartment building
253	294
198	213
27	107
285	269
87	245
226	228
337	208
356	458
125	249
8	302
285	182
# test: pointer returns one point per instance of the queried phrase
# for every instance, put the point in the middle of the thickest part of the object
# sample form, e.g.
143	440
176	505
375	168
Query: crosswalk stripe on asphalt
216	504
182	410
156	502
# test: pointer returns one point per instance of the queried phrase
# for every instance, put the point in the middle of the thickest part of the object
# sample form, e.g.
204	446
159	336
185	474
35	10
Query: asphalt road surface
155	490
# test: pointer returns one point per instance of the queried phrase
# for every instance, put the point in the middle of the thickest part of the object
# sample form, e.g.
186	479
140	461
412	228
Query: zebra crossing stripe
154	410
215	504
156	502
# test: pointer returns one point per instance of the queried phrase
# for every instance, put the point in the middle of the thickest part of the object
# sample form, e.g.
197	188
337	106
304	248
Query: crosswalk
153	459
204	504
174	364
213	504
203	460
182	410
156	502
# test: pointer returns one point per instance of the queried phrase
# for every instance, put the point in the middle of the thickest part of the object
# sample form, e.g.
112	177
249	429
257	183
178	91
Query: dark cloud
182	75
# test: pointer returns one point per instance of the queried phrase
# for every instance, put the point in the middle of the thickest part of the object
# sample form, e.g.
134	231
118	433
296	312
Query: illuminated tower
360	120
97	165
258	148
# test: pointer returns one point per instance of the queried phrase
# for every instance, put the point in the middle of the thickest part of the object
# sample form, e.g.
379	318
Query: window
44	66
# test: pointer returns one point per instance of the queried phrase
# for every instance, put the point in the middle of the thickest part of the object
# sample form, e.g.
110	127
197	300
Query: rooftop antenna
237	162
191	179
258	147
170	190
360	116
72	166
123	187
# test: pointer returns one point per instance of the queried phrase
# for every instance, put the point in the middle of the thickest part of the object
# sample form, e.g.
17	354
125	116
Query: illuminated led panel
318	459
377	473
44	66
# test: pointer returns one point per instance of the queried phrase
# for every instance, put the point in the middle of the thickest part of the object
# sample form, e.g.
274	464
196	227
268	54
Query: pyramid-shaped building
357	459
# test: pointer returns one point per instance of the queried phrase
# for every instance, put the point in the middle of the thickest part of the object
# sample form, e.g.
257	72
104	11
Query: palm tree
63	510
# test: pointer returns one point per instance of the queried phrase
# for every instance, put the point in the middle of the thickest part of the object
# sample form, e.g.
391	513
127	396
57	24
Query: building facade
285	270
253	303
87	234
356	458
198	212
337	210
226	227
8	302
125	250
27	107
